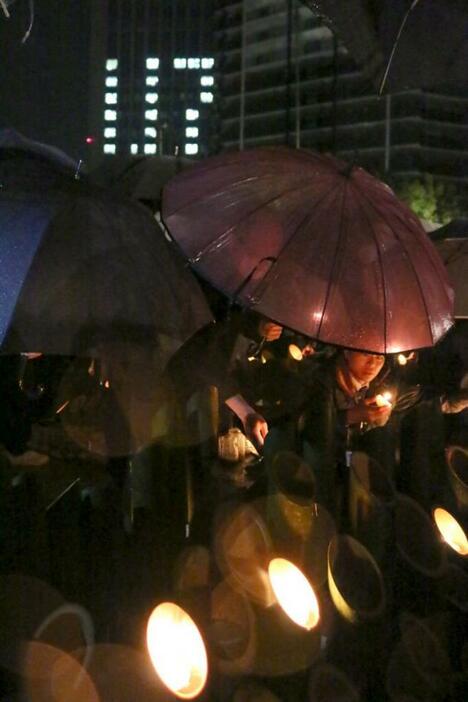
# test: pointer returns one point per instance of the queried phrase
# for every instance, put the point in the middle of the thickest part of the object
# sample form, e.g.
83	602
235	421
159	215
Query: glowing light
110	115
206	97
150	148
294	593
295	352
111	64
152	63
451	531
384	400
207	63
403	360
151	132
177	650
110	98
151	115
151	97
89	140
191	114
207	80
191	149
111	81
110	132
134	148
191	132
180	63
193	63
109	148
152	80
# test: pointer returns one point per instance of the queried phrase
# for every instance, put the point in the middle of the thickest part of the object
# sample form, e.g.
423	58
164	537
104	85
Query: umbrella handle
257	349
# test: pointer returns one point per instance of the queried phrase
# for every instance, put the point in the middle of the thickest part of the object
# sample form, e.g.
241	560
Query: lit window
191	148
190	115
152	63
150	148
110	115
191	132
152	80
110	98
111	81
151	115
180	63
206	97
207	80
133	148
151	132
151	97
109	148
193	63
111	64
207	62
110	132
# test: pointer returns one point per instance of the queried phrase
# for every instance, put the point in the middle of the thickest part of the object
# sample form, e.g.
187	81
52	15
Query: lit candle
294	593
384	399
177	650
451	531
403	360
295	352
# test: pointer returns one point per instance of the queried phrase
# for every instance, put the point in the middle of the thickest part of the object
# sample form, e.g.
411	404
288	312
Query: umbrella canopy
451	242
139	177
408	28
314	244
80	268
12	140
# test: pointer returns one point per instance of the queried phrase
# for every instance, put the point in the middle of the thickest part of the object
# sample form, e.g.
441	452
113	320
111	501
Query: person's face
364	366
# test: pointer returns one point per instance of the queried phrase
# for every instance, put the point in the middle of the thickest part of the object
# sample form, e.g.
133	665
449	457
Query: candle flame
451	531
384	399
403	360
294	593
177	650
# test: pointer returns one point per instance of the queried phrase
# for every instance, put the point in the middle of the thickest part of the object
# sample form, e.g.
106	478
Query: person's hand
369	412
270	331
455	402
255	428
308	350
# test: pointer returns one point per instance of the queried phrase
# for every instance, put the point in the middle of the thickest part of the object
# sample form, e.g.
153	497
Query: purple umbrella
317	245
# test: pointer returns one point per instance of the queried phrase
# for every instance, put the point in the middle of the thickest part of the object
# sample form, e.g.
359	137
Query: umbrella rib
379	255
416	276
335	259
221	238
288	243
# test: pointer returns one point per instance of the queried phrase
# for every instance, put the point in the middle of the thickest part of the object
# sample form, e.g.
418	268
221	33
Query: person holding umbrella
328	251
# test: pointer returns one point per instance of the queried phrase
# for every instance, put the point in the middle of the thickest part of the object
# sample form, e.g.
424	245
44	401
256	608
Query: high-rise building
285	78
154	83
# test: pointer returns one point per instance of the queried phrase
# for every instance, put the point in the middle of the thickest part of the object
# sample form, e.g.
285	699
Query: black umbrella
80	268
403	43
139	177
451	241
